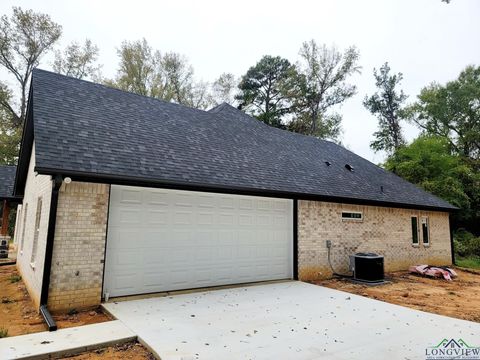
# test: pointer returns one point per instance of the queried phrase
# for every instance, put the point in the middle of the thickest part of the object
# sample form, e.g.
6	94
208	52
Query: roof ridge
116	89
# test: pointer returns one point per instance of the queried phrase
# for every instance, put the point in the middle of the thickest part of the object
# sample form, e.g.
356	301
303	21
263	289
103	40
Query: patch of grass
472	262
3	332
15	278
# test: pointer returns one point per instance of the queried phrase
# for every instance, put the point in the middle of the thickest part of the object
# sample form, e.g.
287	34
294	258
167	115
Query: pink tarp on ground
434	271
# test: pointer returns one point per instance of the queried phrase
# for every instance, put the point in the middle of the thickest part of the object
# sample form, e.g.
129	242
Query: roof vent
328	163
381	188
349	167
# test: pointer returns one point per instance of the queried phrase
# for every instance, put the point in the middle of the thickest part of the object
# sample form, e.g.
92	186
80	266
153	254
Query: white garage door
161	240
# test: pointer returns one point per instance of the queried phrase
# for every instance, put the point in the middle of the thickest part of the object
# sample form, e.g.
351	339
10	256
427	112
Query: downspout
295	239
47	266
452	245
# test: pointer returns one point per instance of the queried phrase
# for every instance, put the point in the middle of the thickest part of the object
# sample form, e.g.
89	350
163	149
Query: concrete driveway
288	320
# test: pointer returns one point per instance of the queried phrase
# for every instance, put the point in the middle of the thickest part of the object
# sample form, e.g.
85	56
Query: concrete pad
65	341
290	320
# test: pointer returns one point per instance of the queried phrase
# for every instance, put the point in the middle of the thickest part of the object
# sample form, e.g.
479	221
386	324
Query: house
7	200
125	194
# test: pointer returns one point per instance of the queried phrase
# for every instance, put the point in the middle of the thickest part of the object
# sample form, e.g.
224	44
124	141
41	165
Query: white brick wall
386	231
77	265
36	186
79	246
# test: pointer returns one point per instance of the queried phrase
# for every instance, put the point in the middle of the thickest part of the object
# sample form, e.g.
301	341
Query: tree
223	89
387	106
322	84
429	163
77	61
263	91
169	77
178	76
452	111
139	69
10	135
24	38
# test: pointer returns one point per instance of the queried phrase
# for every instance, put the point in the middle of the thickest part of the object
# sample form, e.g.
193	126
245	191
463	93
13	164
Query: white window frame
24	225
18	223
352	212
36	231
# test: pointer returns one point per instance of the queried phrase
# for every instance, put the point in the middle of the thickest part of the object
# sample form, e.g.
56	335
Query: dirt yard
133	351
18	316
459	298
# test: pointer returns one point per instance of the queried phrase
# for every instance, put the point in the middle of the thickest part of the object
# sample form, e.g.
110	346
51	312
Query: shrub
466	244
3	332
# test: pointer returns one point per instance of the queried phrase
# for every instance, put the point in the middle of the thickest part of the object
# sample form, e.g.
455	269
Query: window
22	241
38	216
18	224
414	230
425	232
352	215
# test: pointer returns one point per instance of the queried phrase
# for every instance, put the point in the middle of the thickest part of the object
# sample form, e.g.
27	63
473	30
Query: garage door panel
205	218
153	239
125	282
125	239
245	204
131	196
157	217
161	240
179	237
158	198
226	202
226	219
183	218
130	216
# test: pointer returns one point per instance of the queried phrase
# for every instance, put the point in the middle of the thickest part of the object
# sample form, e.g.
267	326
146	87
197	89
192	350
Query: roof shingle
7	179
90	128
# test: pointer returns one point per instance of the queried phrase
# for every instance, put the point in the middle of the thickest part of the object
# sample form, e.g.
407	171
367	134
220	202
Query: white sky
426	40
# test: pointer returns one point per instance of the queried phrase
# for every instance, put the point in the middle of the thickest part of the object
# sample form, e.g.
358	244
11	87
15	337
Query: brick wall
36	186
78	253
386	231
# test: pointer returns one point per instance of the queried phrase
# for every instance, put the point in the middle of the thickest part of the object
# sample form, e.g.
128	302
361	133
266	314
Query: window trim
359	219
36	230
24	223
427	222
18	221
415	244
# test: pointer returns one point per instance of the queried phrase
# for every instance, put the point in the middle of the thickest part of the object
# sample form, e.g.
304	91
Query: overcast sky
426	40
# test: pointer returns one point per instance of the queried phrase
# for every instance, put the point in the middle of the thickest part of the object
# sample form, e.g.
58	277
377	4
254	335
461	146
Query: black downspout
47	266
452	246
295	239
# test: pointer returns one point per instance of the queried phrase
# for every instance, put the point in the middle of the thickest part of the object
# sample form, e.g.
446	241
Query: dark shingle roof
89	128
7	179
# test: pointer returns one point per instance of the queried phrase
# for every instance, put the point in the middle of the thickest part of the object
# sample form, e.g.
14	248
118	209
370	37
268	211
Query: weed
3	332
15	278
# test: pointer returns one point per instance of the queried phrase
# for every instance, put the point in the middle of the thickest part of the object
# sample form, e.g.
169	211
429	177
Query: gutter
452	244
217	188
47	265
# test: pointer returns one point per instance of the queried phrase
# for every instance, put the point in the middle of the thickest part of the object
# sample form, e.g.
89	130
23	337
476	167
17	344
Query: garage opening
164	240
